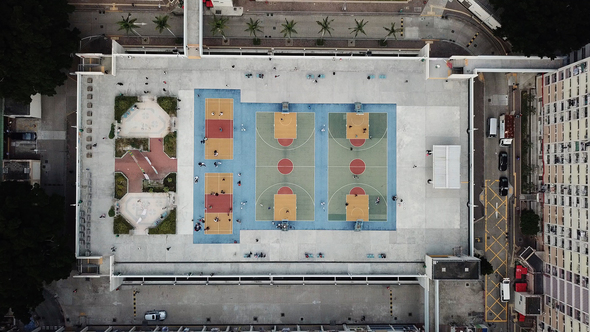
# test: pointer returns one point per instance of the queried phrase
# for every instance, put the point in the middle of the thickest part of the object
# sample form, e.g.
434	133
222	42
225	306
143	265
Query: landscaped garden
120	185
170	145
166	226
122	145
164	186
121	226
168	104
123	104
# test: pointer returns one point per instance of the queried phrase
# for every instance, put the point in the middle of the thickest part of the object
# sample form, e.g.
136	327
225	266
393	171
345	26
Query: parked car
503	186
503	161
24	136
155	315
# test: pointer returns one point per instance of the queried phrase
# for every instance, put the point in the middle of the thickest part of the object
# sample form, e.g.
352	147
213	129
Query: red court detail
285	166
357	166
285	191
218	204
357	141
357	191
212	128
285	141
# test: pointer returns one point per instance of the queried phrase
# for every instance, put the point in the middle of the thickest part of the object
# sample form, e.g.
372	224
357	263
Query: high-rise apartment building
563	99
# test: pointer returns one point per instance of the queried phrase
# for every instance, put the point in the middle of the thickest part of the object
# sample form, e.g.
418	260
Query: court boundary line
284	148
356	148
384	199
288	183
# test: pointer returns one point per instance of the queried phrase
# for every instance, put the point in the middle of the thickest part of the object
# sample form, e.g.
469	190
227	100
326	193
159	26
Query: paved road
496	207
457	27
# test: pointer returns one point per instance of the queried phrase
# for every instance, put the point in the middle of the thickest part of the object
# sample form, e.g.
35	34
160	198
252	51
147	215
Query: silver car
155	315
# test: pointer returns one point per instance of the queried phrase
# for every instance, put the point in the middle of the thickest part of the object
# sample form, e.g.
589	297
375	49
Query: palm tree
162	23
391	31
325	27
288	28
253	28
360	27
219	25
128	24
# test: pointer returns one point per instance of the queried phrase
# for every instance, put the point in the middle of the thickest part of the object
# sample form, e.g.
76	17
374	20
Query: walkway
135	161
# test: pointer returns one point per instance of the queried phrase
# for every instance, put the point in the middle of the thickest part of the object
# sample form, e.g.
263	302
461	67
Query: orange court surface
285	125
218	203
357	208
219	123
357	125
285	206
219	109
219	148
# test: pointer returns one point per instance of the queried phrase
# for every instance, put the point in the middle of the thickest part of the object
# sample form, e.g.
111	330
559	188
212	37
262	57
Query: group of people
256	255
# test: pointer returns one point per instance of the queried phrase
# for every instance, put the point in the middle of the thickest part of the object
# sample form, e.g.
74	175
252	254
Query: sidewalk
331	7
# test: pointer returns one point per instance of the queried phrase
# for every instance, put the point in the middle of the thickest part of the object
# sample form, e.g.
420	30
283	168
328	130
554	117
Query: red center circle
285	191
357	142
285	166
357	166
357	191
285	141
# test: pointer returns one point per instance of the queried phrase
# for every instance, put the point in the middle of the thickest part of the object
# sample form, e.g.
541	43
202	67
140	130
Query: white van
505	290
492	127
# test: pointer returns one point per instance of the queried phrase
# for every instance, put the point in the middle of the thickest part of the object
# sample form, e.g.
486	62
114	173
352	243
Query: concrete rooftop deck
429	112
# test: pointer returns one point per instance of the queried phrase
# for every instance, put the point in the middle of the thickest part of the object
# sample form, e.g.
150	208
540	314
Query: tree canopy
485	266
546	28
529	222
36	44
33	250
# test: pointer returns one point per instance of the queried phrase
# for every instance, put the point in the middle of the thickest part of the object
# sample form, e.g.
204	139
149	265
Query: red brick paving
159	159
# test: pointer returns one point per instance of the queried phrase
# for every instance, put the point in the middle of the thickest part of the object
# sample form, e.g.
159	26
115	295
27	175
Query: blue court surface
321	177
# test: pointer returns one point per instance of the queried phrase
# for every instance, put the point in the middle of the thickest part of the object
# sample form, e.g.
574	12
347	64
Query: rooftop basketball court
291	166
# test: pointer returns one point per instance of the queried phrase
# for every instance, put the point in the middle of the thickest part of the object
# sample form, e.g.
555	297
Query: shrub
485	266
112	132
167	226
529	222
112	211
170	145
122	105
168	104
122	145
170	182
121	226
120	185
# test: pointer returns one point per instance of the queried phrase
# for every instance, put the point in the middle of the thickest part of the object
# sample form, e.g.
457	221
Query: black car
503	161
503	186
24	136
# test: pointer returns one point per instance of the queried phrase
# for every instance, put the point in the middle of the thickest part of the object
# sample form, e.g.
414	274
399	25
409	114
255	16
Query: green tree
162	23
545	28
485	266
288	28
359	27
33	249
128	24
218	25
325	27
529	222
253	28
391	31
36	43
